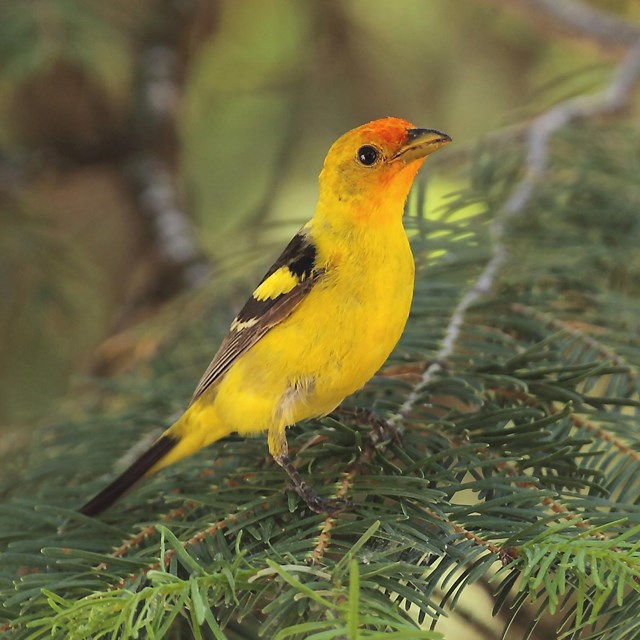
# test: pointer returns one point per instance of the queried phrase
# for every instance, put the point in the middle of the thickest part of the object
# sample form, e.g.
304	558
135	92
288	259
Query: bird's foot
317	504
324	506
381	429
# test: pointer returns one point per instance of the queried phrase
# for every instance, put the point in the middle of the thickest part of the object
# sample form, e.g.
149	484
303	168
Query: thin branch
611	100
230	521
577	421
577	20
324	538
161	73
135	540
171	226
560	325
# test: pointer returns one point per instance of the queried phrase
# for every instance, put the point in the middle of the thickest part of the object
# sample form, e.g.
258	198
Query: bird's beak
421	143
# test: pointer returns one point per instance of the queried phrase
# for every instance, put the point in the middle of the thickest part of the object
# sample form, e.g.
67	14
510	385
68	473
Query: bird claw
381	429
325	506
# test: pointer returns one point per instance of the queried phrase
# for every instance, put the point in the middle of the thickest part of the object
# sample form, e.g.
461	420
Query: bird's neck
362	217
358	232
361	208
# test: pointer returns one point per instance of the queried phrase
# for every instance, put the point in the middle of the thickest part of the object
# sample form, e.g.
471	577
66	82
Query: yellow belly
335	341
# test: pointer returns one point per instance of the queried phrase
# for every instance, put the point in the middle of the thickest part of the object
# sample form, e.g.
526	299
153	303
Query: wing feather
280	291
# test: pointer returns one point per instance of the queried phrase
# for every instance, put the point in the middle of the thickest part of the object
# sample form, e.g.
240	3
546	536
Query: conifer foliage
516	470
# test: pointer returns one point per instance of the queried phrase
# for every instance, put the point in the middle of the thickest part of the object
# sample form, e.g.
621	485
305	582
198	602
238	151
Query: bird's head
369	170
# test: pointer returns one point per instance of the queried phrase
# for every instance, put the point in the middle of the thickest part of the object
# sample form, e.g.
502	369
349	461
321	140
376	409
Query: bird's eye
368	155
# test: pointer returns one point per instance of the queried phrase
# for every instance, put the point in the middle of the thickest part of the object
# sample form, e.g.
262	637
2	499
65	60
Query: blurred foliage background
238	101
154	157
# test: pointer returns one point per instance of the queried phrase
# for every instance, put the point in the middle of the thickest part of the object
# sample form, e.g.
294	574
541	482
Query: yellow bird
323	319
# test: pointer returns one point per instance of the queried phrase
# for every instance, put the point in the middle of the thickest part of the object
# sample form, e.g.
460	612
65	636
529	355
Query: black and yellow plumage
323	319
270	303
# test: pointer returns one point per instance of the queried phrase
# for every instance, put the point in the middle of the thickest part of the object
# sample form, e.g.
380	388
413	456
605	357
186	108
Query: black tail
112	492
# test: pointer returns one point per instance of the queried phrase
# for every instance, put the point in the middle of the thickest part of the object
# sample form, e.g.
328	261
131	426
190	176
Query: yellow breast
334	341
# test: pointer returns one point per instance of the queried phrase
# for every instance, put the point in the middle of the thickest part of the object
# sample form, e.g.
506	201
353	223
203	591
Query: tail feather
150	458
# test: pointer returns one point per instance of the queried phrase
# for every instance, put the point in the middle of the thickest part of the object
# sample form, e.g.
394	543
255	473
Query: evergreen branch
324	538
366	454
465	533
176	514
232	520
572	329
611	567
597	432
579	422
557	508
611	100
145	533
516	438
150	610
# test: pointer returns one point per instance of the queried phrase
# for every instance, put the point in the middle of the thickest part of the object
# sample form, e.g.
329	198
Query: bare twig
161	72
578	20
171	226
611	100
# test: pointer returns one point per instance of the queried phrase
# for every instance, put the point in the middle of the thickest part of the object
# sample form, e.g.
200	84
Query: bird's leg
279	449
382	429
308	493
